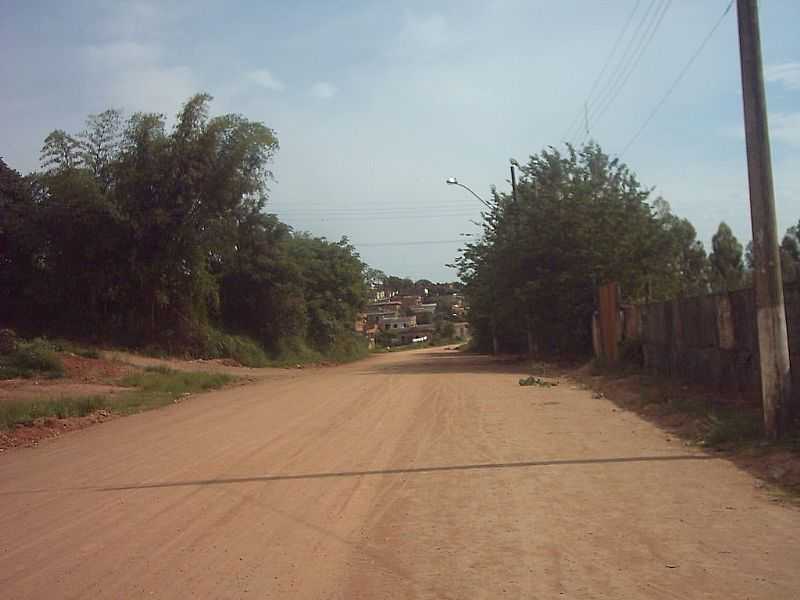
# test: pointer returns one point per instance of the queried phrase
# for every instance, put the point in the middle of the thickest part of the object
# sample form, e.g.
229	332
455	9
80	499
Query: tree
60	152
790	253
99	145
727	267
581	219
146	234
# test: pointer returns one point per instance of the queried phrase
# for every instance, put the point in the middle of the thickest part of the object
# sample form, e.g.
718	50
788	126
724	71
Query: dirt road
426	474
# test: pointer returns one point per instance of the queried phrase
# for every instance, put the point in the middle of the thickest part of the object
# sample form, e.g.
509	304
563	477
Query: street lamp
454	181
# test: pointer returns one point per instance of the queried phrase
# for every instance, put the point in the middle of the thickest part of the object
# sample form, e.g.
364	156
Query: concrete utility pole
773	345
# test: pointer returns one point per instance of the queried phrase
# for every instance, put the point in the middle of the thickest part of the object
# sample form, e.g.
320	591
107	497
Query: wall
713	340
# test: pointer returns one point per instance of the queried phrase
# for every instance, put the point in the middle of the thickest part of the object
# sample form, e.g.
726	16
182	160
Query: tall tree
726	260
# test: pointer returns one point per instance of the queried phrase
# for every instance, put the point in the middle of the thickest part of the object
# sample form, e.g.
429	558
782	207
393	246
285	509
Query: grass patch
151	388
733	427
162	380
24	412
37	357
62	345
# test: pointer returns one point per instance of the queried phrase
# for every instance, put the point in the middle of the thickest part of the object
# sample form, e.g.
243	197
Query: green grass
14	412
242	349
63	345
150	388
162	380
733	427
37	357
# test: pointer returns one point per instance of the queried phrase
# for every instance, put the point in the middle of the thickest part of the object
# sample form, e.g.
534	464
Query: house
423	312
409	300
395	322
377	310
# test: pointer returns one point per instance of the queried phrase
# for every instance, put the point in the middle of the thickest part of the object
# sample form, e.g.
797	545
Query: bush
242	349
732	426
36	355
348	347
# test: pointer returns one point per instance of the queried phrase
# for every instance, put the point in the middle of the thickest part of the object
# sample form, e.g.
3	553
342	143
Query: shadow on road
407	471
431	362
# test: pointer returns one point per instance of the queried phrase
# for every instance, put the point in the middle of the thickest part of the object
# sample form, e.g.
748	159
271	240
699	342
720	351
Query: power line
678	79
381	217
419	243
379	211
642	47
638	33
604	68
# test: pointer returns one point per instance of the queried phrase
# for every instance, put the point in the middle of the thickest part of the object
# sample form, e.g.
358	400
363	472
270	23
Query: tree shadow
406	471
432	362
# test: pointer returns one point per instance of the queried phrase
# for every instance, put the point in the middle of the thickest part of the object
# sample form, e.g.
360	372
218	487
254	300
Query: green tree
580	220
727	267
790	253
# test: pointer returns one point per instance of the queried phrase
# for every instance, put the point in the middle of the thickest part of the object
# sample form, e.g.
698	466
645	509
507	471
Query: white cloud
132	75
785	127
323	90
265	79
787	74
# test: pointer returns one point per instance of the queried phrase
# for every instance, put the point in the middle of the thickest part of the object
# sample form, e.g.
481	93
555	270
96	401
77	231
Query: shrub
242	349
733	426
36	355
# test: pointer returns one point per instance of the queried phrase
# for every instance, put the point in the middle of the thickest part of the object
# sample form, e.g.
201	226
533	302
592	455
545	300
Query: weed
15	412
242	349
38	355
62	345
161	380
536	381
733	426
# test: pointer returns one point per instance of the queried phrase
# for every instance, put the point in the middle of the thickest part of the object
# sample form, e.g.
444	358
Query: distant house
395	323
424	312
409	300
378	310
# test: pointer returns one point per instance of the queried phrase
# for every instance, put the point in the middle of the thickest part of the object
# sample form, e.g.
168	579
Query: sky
376	103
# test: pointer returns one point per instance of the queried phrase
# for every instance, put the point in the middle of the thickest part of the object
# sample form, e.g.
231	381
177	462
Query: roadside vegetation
149	388
137	235
37	357
702	415
581	219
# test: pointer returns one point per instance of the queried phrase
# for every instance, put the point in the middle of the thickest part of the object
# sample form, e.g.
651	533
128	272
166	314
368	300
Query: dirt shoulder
97	389
704	418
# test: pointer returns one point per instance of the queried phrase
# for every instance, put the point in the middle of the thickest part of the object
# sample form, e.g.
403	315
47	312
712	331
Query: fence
712	339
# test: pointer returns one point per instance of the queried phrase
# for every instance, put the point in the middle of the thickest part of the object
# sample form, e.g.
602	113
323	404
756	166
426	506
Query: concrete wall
712	340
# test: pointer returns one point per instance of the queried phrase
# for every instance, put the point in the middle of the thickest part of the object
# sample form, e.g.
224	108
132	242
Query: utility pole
528	331
773	346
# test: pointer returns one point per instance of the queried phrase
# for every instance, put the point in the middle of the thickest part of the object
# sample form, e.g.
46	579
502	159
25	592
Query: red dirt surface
423	474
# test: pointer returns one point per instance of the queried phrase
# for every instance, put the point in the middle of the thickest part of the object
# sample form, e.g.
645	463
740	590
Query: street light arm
485	203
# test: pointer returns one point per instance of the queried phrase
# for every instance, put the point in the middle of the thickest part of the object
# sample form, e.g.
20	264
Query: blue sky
377	103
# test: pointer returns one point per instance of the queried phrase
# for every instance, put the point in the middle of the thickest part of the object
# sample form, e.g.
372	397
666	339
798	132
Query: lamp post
454	181
495	343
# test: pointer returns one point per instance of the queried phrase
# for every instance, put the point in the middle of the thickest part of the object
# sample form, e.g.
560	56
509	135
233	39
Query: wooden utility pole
773	343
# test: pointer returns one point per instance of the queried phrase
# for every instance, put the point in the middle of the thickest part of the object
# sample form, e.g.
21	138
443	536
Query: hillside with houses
403	313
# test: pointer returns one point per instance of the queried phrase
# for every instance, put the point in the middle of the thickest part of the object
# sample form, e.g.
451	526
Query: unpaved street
426	474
